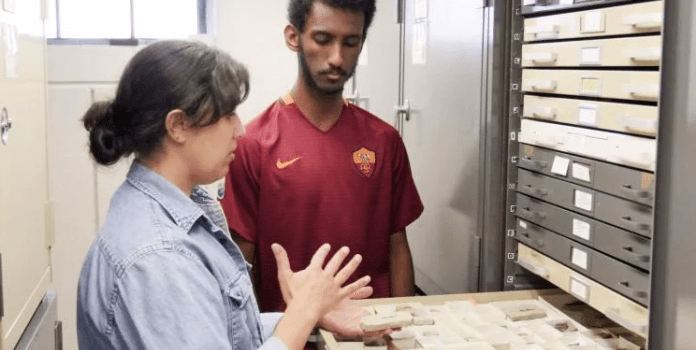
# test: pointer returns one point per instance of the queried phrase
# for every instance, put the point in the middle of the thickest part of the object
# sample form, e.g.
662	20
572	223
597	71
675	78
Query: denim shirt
162	274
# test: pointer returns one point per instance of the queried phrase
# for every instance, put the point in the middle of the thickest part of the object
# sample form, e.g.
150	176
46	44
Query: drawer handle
536	164
640	126
635	256
541	57
539	242
539	215
614	314
543	112
642	91
537	191
628	191
542	85
537	270
549	141
644	21
543	31
652	54
636	226
636	293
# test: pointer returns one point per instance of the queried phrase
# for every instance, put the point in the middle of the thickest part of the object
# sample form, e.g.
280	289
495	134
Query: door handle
538	215
536	191
5	126
404	109
636	226
536	164
636	293
635	256
636	194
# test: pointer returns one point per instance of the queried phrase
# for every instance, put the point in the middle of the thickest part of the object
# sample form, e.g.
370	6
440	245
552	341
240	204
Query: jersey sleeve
241	200
406	203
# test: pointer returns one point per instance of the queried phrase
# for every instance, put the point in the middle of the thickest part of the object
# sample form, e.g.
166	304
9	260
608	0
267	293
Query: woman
162	274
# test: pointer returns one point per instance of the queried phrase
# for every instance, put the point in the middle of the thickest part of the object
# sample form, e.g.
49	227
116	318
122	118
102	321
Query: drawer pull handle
536	164
539	242
537	270
652	54
635	256
640	126
549	141
640	91
644	21
541	57
636	293
542	85
628	191
636	226
614	314
543	31
543	112
538	215
537	191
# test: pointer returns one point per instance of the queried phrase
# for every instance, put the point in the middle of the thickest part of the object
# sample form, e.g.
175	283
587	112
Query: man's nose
336	56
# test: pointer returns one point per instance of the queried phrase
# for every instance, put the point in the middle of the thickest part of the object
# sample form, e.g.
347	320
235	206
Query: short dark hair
298	10
202	81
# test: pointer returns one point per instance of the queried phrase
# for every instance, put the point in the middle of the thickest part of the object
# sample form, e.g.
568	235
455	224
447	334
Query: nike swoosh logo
283	165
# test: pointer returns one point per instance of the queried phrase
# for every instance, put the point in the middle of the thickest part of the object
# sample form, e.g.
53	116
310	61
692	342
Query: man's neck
320	109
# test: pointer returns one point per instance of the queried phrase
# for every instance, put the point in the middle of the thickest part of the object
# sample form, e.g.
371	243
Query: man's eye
322	38
352	42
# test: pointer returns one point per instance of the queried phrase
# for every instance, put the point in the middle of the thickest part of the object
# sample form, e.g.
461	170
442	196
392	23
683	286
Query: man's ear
177	125
292	38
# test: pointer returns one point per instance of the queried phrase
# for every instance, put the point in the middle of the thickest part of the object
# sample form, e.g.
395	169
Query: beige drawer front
627	85
634	119
634	151
621	52
619	308
619	20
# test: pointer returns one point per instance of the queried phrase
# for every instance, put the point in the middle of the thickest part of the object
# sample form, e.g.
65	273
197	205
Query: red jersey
301	187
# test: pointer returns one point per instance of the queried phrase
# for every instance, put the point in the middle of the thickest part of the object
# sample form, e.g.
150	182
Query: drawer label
590	55
582	229
587	115
580	289
579	258
583	200
581	172
592	22
590	86
523	224
560	166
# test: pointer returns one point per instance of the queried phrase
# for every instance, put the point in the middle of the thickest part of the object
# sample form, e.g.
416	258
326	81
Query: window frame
206	27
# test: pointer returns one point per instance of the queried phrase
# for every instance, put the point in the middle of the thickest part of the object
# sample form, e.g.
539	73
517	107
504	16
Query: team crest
365	160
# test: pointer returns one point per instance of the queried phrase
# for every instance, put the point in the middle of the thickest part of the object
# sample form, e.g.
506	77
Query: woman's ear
177	125
292	38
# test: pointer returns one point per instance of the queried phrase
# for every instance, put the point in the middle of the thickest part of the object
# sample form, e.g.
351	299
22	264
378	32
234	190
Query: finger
281	257
320	256
336	261
346	271
380	333
353	287
362	293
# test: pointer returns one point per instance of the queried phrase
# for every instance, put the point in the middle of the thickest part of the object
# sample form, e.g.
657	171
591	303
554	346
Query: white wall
252	32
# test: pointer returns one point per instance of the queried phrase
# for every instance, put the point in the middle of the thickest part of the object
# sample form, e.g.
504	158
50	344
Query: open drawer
484	321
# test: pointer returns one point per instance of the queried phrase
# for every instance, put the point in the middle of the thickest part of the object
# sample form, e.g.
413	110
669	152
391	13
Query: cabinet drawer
620	244
622	278
619	308
621	52
616	211
626	85
628	118
633	151
631	216
542	240
619	20
630	184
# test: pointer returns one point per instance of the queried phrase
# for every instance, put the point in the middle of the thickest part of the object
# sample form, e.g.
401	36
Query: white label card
583	200
579	289
579	257
566	2
560	166
593	22
581	229
587	115
523	224
528	2
590	55
581	172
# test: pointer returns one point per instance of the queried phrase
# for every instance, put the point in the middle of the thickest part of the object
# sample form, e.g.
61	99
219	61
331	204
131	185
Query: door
443	85
23	167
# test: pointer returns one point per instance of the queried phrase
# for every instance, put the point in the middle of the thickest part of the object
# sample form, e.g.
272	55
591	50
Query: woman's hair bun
105	143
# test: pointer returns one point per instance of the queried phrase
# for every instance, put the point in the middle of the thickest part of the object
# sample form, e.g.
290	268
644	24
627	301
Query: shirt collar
180	208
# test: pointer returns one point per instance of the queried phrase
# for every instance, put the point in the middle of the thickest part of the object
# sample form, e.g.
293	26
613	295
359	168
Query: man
314	169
